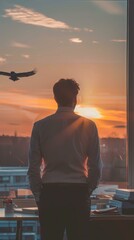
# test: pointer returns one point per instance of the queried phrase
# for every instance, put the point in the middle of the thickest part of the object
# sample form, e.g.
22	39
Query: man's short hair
65	90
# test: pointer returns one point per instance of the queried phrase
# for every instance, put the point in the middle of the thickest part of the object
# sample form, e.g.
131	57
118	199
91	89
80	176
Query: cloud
75	40
20	45
118	40
77	29
115	115
88	30
8	55
29	16
20	100
28	108
95	42
25	56
110	7
17	91
2	60
14	124
120	126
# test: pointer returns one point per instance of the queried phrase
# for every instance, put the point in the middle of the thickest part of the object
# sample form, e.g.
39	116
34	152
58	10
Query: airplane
15	76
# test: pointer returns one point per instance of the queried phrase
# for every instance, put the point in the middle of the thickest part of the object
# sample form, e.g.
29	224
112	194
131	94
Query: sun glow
89	112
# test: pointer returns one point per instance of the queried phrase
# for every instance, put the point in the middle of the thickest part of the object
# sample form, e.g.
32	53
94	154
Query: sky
80	39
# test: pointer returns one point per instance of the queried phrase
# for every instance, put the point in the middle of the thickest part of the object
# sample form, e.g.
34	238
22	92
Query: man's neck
65	109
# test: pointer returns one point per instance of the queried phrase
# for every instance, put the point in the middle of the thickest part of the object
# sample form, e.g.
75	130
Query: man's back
65	141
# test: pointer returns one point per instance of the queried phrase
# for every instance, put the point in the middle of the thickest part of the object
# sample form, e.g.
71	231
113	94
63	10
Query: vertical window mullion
130	94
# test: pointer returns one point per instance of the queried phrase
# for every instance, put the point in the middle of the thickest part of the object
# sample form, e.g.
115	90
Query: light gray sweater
69	146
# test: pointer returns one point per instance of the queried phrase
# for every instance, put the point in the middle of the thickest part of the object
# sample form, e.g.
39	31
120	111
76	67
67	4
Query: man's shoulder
86	121
44	120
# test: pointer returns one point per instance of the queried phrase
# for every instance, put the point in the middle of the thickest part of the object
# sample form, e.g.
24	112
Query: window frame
130	94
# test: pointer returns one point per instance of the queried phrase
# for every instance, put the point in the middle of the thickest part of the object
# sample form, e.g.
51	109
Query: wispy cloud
77	29
111	7
25	56
20	45
18	99
118	40
8	55
120	126
75	40
2	60
95	42
29	16
88	30
25	105
14	123
114	115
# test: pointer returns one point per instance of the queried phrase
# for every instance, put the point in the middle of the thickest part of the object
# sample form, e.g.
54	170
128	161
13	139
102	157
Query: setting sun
89	112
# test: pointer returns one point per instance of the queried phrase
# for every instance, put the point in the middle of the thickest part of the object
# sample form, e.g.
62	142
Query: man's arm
35	159
94	160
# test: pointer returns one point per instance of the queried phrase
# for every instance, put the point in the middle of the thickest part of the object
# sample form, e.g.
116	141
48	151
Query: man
69	146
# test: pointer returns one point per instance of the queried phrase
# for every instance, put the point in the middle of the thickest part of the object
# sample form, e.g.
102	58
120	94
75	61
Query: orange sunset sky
83	40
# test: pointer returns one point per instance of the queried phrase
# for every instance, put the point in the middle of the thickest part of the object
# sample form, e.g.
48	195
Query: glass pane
84	40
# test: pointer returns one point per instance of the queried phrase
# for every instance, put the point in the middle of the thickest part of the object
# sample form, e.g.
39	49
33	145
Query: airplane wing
5	73
26	74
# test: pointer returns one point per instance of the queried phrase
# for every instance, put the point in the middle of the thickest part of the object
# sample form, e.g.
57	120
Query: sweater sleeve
94	159
35	159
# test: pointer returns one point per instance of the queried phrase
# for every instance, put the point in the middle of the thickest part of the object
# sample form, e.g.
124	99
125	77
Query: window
4	179
20	179
130	94
27	229
86	41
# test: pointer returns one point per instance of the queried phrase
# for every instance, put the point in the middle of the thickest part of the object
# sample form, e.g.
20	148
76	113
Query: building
14	183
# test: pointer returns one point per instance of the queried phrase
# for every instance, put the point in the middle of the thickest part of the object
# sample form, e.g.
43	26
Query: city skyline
83	40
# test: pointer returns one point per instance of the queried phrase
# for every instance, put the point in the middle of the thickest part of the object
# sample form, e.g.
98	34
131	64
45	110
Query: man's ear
75	101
